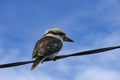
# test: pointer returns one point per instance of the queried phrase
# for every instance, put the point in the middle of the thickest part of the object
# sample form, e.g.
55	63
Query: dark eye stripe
58	33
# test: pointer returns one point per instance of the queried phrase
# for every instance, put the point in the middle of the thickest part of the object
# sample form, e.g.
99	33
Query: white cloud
8	56
23	74
63	67
97	73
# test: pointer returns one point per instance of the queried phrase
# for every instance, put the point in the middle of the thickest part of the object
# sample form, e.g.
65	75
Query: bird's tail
38	60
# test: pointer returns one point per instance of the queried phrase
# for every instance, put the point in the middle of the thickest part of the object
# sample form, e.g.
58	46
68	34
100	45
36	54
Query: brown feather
44	45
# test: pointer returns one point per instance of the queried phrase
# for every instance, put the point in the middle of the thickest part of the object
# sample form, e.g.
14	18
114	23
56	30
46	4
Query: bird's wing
46	46
36	48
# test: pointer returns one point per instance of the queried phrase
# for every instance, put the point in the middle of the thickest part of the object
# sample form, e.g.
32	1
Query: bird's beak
67	39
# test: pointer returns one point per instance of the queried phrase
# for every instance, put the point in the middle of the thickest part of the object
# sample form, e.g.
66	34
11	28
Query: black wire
61	56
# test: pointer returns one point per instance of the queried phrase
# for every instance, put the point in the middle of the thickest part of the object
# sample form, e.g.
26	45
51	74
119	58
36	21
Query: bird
49	45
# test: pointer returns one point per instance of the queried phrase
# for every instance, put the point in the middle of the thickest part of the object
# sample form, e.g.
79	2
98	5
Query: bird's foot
54	59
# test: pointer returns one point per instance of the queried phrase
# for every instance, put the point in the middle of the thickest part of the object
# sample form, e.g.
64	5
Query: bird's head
58	33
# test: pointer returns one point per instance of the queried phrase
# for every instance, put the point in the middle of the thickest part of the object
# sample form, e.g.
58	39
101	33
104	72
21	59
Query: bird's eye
61	34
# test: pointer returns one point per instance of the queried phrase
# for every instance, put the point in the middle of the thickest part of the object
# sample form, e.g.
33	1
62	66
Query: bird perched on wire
49	45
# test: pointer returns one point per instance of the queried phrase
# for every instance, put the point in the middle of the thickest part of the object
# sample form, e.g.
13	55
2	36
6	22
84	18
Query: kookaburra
49	45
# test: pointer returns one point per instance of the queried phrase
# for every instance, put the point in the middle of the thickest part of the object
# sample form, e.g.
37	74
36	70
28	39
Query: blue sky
90	23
